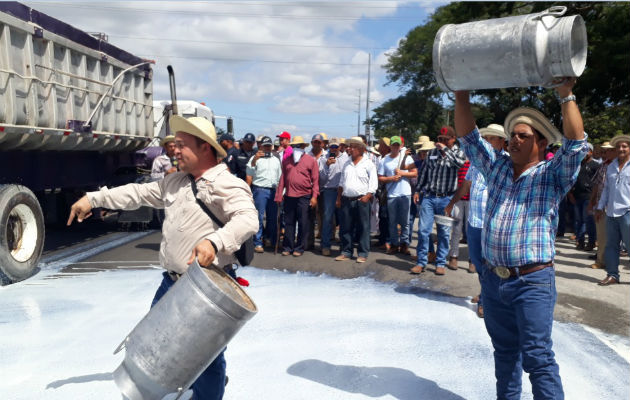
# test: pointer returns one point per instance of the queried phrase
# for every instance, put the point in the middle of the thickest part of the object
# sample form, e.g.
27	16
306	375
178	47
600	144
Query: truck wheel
21	233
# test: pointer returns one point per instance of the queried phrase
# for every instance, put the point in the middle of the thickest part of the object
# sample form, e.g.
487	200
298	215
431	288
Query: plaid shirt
478	197
522	216
439	172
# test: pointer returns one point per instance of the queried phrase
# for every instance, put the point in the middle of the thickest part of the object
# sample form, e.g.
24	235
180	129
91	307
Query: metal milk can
522	51
182	334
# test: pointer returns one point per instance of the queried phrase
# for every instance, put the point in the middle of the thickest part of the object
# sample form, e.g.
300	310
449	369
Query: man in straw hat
299	187
357	186
518	236
188	232
609	153
615	204
165	163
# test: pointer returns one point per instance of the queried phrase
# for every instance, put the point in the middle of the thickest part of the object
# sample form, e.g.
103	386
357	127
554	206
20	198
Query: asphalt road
580	299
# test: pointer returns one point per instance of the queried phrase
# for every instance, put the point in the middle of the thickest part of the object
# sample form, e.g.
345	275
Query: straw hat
426	146
342	140
493	130
324	136
533	118
619	138
421	140
606	145
199	127
355	140
167	139
297	140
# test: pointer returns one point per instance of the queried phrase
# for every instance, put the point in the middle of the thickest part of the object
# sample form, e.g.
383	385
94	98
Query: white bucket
522	51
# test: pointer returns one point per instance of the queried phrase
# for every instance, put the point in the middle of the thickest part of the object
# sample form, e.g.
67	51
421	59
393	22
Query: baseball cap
334	142
447	131
318	136
226	136
284	135
266	141
249	137
394	140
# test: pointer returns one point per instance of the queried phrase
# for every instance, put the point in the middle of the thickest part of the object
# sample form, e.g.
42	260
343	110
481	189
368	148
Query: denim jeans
430	207
355	220
398	213
211	383
265	204
474	250
518	313
383	224
413	213
584	223
617	230
329	197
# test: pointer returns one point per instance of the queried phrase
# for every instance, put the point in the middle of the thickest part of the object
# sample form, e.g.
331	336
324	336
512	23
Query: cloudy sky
272	65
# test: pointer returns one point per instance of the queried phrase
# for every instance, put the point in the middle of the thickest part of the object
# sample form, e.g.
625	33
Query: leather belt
511	272
173	275
353	198
440	194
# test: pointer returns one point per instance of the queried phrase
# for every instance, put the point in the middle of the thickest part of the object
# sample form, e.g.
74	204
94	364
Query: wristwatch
567	99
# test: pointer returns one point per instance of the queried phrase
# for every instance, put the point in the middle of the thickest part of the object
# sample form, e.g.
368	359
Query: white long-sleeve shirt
358	179
615	197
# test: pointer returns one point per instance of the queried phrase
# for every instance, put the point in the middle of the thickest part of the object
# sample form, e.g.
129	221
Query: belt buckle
502	272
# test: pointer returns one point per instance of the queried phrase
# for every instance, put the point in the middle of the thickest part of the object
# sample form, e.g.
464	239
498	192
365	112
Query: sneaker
418	269
325	252
259	249
342	257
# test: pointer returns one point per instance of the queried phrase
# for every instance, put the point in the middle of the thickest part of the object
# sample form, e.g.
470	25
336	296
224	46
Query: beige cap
199	127
334	141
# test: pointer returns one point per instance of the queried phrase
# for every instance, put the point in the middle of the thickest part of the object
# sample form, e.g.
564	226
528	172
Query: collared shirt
230	160
522	214
439	174
332	172
358	179
161	164
478	197
266	173
321	161
186	224
301	179
387	167
616	193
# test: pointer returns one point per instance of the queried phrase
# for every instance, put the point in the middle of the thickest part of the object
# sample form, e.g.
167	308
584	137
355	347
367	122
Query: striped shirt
461	175
439	173
522	215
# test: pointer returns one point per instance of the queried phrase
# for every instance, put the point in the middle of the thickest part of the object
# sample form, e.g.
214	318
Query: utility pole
368	135
359	114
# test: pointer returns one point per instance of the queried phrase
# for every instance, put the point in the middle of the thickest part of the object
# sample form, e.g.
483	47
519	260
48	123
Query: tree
603	91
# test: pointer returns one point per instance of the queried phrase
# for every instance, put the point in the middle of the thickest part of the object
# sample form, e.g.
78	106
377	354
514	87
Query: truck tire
21	233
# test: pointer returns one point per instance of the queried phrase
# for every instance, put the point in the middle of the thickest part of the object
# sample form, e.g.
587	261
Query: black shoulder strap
201	203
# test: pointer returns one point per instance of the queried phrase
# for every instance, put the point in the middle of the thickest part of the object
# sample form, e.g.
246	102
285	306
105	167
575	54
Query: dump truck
74	110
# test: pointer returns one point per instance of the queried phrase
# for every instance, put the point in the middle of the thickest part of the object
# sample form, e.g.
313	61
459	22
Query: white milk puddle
314	338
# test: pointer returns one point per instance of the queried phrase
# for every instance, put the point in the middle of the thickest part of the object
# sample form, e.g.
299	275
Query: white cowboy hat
355	140
533	118
493	130
167	139
619	138
198	127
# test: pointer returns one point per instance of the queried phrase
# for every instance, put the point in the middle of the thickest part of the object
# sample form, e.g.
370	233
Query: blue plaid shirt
522	216
478	197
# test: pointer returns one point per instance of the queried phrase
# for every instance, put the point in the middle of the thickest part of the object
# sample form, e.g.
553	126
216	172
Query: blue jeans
617	230
584	223
430	207
518	313
265	204
413	213
211	383
329	197
398	214
355	220
474	250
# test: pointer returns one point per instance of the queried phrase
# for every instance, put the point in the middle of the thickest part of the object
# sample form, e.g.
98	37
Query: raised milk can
182	334
527	50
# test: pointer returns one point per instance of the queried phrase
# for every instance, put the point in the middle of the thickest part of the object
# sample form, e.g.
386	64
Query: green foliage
603	90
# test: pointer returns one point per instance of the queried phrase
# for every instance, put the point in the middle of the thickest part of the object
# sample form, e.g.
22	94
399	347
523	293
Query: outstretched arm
572	124
464	119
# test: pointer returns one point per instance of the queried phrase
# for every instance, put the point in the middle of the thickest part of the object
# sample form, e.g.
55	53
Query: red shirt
301	179
461	174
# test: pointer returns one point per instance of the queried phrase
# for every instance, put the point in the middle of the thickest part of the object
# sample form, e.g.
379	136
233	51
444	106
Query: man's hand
313	202
395	178
331	160
259	154
366	198
82	209
566	88
448	209
416	198
204	251
440	146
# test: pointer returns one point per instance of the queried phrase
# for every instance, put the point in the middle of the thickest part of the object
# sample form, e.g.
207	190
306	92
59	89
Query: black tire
21	233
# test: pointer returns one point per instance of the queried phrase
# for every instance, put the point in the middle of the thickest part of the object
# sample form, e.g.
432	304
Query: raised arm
572	123
464	119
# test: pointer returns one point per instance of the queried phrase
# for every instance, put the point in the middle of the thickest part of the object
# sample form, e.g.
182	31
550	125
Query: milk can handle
555	11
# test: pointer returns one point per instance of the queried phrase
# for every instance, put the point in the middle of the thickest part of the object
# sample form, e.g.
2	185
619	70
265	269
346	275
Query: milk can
522	51
182	334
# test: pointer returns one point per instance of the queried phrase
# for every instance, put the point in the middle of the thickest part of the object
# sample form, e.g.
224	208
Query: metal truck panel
54	78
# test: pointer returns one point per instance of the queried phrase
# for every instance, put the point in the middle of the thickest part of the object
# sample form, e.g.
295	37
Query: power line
285	123
247	43
219	14
154	56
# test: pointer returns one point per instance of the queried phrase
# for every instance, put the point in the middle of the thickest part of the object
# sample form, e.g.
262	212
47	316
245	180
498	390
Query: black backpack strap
202	204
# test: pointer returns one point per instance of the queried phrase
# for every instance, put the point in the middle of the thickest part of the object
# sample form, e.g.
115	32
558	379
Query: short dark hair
539	136
201	141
